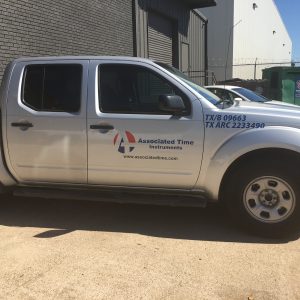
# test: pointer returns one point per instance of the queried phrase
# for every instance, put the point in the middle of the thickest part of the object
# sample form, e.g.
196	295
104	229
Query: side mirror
171	103
238	99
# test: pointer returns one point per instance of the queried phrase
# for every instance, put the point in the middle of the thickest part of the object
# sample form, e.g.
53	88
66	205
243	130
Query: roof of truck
49	58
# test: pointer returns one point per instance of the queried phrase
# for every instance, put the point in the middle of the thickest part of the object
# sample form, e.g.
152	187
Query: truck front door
46	121
131	142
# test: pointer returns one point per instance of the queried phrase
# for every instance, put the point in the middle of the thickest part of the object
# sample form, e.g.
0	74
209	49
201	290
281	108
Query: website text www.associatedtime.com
153	157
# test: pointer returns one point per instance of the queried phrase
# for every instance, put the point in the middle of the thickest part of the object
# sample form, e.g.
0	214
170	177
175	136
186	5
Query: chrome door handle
102	127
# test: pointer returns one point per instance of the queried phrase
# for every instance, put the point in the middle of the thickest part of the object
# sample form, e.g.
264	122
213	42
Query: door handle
102	127
22	124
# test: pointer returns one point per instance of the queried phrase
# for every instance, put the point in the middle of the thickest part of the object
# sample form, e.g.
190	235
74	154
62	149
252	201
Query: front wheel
264	198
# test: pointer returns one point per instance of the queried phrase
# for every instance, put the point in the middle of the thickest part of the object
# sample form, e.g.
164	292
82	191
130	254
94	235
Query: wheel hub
268	198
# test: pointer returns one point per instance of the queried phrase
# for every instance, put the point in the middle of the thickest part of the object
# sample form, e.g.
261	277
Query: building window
54	88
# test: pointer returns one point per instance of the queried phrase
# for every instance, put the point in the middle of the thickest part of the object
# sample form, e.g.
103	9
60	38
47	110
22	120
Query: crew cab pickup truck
129	129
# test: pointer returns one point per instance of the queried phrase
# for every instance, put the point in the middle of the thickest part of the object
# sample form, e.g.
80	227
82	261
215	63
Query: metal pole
228	47
206	53
255	68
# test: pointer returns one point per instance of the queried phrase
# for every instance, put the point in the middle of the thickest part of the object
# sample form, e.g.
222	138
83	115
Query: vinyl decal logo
126	143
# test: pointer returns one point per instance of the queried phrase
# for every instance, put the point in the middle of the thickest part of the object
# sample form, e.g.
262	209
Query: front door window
132	90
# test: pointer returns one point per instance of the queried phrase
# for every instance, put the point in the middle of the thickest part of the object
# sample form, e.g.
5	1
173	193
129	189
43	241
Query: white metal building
245	33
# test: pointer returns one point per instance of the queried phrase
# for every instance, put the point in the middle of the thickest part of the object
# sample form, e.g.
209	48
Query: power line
265	64
258	64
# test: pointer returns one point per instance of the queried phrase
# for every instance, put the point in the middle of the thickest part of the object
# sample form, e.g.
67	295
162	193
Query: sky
289	10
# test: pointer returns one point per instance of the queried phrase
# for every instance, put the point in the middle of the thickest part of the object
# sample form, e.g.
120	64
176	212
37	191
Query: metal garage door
160	38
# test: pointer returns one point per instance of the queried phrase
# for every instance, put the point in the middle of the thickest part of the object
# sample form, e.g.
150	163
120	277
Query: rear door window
53	88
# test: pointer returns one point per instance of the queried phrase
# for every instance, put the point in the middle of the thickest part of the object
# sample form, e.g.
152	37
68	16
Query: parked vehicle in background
129	130
230	92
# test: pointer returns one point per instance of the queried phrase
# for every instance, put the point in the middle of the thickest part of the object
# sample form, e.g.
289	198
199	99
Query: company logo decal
298	84
126	143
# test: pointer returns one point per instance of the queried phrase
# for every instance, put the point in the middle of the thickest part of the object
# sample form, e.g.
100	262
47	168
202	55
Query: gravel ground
63	249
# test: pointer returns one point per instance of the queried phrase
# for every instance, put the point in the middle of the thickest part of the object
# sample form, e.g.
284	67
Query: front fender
244	142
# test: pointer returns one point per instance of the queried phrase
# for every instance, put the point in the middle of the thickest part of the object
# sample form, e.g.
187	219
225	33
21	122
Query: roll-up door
160	38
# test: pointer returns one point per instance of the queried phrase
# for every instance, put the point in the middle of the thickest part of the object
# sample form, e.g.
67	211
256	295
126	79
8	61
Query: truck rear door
46	121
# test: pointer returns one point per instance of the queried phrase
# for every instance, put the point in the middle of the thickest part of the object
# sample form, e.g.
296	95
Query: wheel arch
272	154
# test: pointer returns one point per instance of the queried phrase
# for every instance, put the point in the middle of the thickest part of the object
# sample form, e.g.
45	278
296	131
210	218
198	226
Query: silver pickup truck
128	129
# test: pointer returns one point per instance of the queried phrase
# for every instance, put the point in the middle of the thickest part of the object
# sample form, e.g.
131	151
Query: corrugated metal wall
190	29
160	38
196	39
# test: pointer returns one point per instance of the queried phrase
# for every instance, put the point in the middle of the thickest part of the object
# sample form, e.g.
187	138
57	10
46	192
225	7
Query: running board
181	200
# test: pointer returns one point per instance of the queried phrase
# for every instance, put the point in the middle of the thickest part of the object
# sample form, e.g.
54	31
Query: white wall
254	38
220	22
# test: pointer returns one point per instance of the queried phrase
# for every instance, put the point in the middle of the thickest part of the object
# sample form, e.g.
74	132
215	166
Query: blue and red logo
125	142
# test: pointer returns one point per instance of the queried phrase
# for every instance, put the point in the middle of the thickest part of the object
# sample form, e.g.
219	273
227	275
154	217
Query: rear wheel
264	198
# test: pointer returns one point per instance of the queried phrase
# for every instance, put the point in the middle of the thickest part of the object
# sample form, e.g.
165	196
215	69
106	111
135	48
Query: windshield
251	95
199	89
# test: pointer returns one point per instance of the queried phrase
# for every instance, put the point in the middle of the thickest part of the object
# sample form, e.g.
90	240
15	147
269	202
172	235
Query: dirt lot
82	250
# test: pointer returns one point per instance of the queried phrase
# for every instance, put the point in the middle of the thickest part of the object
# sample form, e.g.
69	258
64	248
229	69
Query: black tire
240	185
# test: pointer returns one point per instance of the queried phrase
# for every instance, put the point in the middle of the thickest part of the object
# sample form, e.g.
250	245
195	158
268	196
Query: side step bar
181	200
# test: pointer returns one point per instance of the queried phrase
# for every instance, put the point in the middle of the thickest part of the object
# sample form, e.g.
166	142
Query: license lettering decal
231	121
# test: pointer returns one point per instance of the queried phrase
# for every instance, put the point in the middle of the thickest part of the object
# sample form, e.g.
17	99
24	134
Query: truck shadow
64	216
